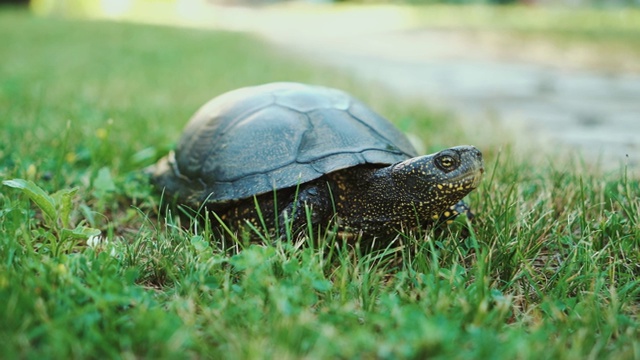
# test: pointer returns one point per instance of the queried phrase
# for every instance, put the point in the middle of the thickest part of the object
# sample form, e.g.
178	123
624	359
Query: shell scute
268	137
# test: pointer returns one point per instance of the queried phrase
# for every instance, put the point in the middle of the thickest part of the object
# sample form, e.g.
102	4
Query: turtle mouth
470	179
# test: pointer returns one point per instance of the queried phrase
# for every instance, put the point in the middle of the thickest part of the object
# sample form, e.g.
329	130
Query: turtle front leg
311	204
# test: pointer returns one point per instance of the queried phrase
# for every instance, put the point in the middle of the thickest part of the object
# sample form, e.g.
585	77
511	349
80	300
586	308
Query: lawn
549	268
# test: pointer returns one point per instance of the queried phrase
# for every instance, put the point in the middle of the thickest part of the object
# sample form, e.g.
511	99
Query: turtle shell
256	139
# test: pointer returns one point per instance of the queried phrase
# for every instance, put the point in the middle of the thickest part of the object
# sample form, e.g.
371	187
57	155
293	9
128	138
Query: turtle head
437	181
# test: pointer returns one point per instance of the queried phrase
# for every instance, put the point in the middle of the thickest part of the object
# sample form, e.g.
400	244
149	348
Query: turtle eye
446	162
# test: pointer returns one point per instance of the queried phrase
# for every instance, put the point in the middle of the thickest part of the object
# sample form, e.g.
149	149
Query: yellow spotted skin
372	200
415	192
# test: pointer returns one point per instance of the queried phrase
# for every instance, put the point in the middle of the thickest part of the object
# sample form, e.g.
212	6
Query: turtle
292	154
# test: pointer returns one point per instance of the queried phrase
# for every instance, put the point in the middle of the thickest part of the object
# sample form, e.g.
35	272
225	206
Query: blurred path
598	113
546	100
553	104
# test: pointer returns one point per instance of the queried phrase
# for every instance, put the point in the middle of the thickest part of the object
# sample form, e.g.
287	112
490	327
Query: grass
550	268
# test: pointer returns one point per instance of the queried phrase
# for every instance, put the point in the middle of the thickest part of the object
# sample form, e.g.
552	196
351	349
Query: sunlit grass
601	38
549	267
533	18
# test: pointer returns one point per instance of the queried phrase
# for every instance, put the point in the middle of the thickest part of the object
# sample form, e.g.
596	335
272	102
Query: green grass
580	21
550	268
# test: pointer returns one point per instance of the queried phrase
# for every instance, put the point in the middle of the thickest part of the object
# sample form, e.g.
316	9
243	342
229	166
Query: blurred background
556	73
